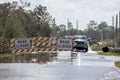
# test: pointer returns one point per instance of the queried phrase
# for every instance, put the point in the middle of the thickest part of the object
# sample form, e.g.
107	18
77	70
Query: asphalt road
85	66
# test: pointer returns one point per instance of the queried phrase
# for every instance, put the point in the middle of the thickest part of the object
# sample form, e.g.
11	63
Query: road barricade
42	44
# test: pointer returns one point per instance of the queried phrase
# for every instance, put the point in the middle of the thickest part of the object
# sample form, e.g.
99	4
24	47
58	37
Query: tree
62	28
41	14
11	20
42	19
99	32
16	22
102	27
91	24
4	12
91	30
55	31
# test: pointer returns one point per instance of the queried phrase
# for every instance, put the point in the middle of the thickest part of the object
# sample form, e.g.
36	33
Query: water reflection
42	58
60	67
33	58
76	60
67	59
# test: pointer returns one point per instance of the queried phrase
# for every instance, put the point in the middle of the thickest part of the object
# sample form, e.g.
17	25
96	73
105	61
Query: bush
5	46
99	46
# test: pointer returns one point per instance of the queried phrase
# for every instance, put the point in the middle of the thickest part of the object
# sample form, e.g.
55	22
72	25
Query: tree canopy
16	22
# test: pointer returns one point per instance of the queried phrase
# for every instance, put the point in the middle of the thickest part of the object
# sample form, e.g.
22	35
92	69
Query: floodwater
85	66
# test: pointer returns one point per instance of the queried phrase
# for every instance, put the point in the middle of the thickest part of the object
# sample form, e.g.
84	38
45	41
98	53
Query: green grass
117	64
109	53
98	47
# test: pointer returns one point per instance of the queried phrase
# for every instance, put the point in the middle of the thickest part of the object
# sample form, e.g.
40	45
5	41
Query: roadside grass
117	64
109	53
99	47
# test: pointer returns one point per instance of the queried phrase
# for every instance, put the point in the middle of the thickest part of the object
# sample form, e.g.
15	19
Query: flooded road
85	66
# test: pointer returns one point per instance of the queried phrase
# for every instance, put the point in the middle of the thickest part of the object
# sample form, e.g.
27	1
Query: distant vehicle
81	43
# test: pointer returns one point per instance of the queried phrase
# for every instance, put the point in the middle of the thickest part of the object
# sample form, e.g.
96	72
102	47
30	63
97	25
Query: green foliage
55	31
16	22
102	26
41	14
91	24
109	53
99	31
5	45
99	46
117	64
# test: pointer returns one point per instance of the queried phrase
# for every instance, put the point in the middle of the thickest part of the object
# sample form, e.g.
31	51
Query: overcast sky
81	10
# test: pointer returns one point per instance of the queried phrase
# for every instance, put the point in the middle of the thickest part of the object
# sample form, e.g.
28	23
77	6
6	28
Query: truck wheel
86	49
73	55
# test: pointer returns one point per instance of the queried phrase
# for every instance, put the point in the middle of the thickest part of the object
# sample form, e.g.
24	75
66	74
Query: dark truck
81	43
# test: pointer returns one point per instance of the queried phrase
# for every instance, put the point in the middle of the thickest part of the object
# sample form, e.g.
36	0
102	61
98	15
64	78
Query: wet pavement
85	66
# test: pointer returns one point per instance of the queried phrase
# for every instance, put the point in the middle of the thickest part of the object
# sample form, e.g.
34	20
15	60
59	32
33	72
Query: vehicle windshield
81	37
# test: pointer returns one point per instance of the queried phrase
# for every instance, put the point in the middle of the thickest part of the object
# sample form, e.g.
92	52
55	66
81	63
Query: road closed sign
64	44
22	43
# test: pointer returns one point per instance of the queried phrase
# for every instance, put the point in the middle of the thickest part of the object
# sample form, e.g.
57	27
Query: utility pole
77	24
68	24
119	21
119	31
114	36
116	30
116	25
76	27
113	26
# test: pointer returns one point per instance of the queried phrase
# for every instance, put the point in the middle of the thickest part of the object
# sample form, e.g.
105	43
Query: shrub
99	46
5	46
